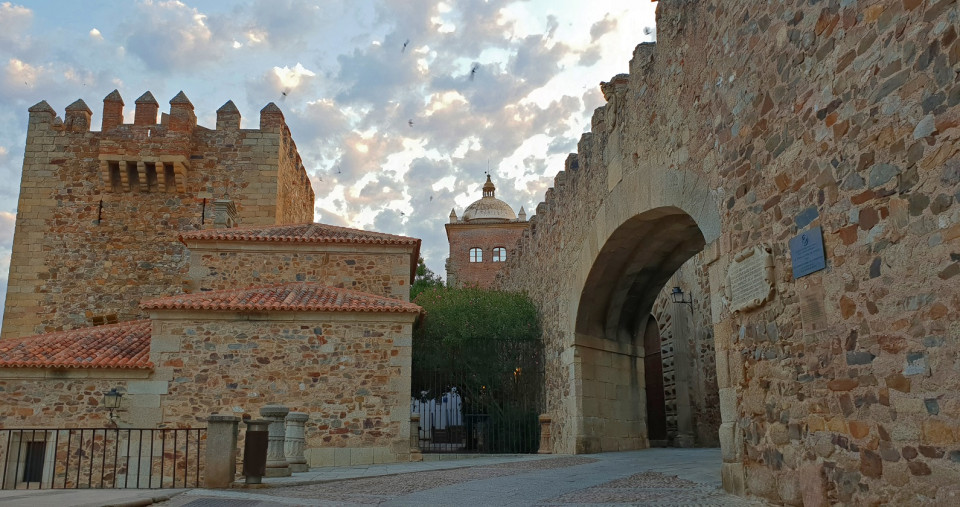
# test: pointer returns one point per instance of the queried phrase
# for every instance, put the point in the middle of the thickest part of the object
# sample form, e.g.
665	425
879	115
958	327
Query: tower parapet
146	110
181	118
78	117
271	118
112	111
228	116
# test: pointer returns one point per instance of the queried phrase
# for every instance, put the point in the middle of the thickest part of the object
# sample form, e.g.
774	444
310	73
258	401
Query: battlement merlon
41	114
181	117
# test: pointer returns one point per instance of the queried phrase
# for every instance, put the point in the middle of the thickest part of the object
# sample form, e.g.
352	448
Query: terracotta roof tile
302	296
299	233
123	345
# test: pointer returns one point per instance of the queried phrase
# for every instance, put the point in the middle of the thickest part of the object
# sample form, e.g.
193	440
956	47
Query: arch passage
631	268
613	318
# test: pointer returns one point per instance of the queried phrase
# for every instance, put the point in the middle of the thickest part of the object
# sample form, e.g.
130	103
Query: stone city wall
99	212
761	121
377	269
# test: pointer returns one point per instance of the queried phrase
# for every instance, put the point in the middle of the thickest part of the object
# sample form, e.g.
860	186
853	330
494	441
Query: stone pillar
220	462
546	445
414	432
293	443
276	461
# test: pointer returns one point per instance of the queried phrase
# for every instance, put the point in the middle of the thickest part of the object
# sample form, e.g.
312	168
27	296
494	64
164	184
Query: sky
398	108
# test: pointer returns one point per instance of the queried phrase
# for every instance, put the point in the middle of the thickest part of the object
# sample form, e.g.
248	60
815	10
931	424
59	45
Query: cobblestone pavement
649	477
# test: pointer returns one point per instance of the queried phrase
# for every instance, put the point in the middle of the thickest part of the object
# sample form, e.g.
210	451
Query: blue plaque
806	252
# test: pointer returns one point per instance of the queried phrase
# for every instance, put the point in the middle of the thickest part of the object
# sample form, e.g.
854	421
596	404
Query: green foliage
487	345
425	279
463	316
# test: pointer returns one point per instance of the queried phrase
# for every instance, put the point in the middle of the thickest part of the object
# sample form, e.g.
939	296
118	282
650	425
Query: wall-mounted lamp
111	400
678	297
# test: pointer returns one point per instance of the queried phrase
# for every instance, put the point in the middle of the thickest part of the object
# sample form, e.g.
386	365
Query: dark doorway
653	374
33	462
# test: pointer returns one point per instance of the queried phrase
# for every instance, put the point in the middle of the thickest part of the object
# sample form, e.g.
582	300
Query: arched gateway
799	164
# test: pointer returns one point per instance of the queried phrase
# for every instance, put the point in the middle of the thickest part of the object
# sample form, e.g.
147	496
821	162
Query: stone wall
349	371
757	122
463	237
99	212
375	269
689	359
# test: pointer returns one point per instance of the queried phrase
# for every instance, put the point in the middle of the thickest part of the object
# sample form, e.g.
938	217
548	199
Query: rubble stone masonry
375	269
744	125
349	371
99	212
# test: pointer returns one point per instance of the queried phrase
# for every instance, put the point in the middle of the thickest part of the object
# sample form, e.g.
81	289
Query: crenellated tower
99	212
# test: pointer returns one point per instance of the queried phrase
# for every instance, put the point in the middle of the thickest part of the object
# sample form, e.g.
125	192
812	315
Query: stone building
102	210
799	163
180	266
482	239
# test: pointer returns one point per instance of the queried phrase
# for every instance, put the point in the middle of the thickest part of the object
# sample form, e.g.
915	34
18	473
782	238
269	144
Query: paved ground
649	477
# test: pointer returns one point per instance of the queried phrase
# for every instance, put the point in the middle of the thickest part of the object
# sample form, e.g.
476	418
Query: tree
486	345
424	279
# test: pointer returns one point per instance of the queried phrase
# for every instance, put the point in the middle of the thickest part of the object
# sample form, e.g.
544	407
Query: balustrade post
220	461
294	442
276	459
546	445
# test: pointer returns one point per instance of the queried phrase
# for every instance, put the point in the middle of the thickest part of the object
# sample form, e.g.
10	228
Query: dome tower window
499	254
476	255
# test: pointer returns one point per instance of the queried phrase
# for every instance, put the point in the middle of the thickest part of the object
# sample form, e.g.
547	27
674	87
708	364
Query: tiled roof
123	345
299	233
302	296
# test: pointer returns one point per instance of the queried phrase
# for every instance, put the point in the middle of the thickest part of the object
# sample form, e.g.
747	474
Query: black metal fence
81	458
479	398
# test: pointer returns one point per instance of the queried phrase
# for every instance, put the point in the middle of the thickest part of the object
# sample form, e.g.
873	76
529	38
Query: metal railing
480	398
82	458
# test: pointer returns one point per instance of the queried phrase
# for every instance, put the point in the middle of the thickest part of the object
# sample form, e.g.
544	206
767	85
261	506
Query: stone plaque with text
750	278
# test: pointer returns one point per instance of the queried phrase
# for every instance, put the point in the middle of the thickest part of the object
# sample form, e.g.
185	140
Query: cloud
15	21
602	27
286	23
170	35
95	34
7	222
291	78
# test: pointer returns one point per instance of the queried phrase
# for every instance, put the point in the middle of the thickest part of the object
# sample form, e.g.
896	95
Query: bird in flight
410	122
473	70
405	45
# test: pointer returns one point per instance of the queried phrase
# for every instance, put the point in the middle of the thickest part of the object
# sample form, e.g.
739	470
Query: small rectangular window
476	255
115	184
33	461
169	178
153	183
499	254
133	177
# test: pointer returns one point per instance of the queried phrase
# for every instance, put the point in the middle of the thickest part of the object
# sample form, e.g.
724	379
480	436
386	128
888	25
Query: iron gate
479	397
75	458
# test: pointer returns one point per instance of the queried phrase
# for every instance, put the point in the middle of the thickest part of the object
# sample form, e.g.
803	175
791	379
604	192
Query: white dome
489	208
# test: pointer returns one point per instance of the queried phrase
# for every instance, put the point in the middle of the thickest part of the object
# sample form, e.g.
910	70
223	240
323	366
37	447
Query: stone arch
651	221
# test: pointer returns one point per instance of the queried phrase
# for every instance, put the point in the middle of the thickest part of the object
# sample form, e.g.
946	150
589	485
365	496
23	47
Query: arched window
476	255
499	254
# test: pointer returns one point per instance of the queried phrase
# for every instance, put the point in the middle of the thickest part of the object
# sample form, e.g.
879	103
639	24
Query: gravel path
651	488
651	477
375	490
